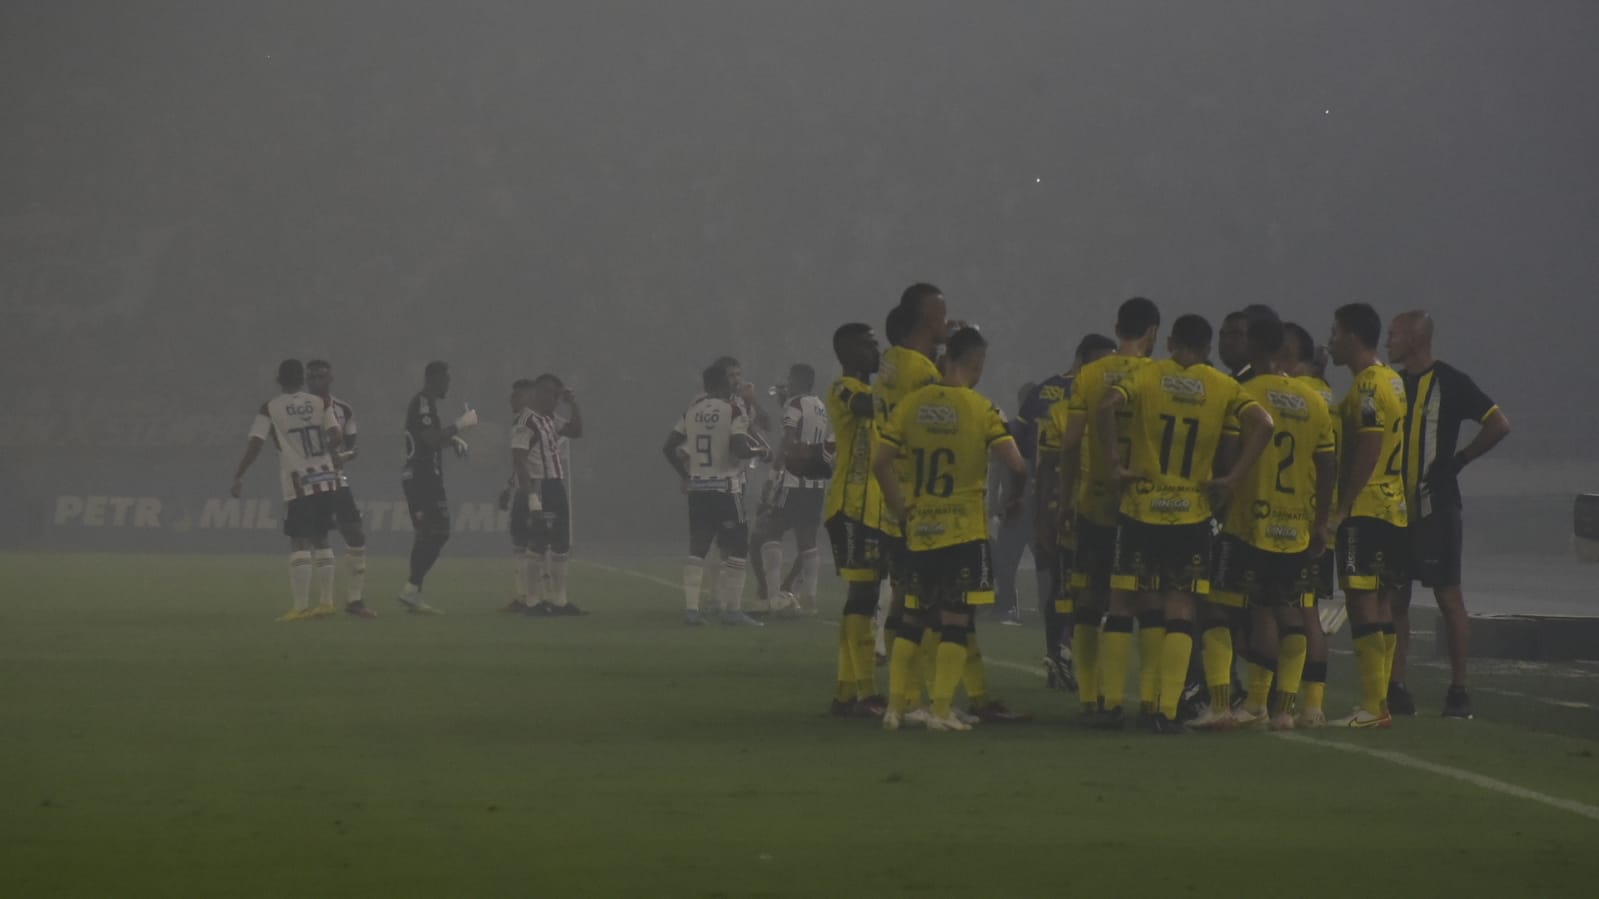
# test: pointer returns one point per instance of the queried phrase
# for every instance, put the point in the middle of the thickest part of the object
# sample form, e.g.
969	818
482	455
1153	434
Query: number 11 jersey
943	435
299	425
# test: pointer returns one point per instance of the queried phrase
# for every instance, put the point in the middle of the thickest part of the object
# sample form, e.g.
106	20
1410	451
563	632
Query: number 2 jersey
902	372
943	435
1275	503
300	425
709	428
1178	416
1376	404
852	492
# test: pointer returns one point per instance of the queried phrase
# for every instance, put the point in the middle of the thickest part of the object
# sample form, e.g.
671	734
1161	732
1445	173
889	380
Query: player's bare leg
1456	624
1400	702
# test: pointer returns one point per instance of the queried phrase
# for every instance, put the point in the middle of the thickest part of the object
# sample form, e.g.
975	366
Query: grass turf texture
163	736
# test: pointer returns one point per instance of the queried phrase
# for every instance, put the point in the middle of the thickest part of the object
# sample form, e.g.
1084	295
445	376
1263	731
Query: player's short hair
912	296
1135	317
1362	321
715	379
1191	332
1093	343
726	362
319	364
847	333
801	376
1264	339
964	342
291	374
522	384
901	321
435	369
1304	346
548	378
1258	312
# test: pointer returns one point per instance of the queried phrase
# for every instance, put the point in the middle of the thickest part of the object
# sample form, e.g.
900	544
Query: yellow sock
1085	660
1259	680
1313	689
1369	651
927	658
1151	640
1175	650
863	654
845	690
1218	661
947	671
1390	643
974	676
1115	651
902	684
1290	668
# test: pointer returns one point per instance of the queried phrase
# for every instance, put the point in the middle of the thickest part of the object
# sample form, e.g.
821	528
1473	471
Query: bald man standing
1440	399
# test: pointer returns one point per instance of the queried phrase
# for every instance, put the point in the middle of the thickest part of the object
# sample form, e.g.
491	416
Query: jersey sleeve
793	415
1077	402
893	430
349	422
994	426
681	428
1326	436
1471	402
738	424
522	435
1373	415
1052	427
330	419
1233	422
261	428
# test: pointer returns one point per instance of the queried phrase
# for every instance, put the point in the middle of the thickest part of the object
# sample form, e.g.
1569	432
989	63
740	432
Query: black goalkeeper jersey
422	463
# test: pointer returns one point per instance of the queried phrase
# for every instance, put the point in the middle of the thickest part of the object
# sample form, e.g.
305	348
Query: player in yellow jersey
1273	528
947	431
1309	365
1082	490
915	329
1373	546
851	508
1178	411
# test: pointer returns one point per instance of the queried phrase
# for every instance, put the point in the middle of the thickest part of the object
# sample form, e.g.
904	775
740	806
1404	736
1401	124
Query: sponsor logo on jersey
1183	389
1283	533
937	416
1291	403
1170	505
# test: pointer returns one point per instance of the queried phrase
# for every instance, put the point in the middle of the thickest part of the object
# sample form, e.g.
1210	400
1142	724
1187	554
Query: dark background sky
621	191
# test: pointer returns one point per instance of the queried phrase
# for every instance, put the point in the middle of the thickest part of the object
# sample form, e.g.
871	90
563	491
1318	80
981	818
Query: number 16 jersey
943	435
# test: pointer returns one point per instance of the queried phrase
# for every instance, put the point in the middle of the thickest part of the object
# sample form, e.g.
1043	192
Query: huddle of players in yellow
1191	504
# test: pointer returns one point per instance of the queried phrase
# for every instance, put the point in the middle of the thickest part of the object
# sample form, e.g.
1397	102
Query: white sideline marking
1546	700
1490	784
1478	780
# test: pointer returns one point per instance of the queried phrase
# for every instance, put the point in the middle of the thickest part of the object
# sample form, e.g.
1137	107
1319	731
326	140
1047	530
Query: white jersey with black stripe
806	417
299	425
546	446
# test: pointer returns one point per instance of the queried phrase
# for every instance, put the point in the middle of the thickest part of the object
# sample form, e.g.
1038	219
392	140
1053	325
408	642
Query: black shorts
309	517
549	527
1242	573
1372	555
953	577
346	514
1436	548
1152	558
717	518
857	550
797	509
1095	558
897	562
430	510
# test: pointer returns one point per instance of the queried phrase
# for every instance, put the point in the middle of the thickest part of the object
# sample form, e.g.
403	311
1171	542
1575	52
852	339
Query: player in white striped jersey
541	515
346	514
796	503
303	429
708	449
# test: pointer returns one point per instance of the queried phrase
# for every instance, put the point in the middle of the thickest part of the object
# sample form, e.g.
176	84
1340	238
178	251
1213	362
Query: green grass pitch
160	735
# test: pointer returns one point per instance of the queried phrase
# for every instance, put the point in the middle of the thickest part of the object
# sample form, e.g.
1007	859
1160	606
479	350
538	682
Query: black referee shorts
1436	548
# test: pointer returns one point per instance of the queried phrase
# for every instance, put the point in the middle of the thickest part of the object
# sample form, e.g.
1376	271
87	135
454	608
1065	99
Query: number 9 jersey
943	435
708	429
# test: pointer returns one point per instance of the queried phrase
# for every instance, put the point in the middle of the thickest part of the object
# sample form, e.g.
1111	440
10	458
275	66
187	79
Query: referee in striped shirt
1440	399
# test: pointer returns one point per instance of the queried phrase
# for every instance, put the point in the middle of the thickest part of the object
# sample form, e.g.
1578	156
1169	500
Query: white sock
355	557
709	566
300	578
558	578
519	574
810	568
730	586
693	577
324	566
885	600
772	566
533	576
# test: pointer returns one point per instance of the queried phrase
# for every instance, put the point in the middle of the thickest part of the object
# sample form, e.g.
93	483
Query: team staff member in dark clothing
422	478
1439	399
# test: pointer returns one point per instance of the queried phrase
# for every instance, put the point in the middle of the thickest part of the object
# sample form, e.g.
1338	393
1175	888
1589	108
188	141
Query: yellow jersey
1097	500
1376	404
902	372
852	491
1275	504
1178	416
945	434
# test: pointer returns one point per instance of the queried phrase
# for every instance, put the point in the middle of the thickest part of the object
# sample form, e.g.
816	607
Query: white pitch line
1394	758
1478	780
1546	700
